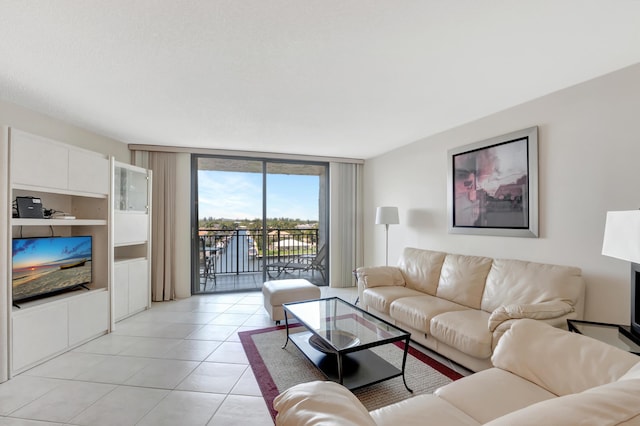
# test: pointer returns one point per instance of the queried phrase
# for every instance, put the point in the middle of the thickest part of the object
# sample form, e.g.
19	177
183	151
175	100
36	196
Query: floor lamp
387	216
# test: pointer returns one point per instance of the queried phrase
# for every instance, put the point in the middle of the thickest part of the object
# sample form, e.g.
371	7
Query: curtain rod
252	154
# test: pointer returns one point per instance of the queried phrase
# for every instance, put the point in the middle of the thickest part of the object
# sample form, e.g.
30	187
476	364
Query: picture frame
493	186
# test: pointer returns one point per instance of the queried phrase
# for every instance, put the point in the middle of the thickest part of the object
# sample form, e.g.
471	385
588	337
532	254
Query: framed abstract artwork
493	186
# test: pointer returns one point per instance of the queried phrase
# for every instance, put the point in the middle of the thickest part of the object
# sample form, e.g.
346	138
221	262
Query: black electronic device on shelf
29	207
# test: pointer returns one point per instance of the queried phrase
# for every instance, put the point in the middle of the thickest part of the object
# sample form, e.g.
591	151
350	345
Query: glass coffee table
616	335
338	340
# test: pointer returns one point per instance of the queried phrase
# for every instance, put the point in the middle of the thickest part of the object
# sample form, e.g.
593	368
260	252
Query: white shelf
132	243
58	222
129	259
60	191
54	299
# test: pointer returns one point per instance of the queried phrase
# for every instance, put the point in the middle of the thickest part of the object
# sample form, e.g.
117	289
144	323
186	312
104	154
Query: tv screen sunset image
47	265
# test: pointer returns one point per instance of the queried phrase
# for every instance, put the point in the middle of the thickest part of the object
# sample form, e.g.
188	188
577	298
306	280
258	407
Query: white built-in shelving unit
75	181
131	240
88	186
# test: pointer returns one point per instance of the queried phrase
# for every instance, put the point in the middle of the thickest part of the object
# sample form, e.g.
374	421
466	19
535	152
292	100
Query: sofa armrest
539	311
377	276
558	360
320	403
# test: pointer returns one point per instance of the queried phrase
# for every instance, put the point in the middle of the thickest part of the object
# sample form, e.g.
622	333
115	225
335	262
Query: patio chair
208	267
316	263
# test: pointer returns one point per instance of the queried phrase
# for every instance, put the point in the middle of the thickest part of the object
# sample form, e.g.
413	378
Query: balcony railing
244	251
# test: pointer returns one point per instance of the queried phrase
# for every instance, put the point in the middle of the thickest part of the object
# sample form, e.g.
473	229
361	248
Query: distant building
307	226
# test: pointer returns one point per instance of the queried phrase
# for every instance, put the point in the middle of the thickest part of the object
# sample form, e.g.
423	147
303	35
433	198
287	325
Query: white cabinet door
45	163
131	188
88	316
130	287
138	285
130	228
38	161
120	290
39	333
88	172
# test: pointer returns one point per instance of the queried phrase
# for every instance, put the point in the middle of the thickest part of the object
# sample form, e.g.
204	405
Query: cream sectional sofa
460	306
542	376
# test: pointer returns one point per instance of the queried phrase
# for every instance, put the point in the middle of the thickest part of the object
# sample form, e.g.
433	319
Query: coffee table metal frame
354	366
616	335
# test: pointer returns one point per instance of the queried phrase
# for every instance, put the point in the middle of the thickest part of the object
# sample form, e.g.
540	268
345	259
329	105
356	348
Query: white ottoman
285	291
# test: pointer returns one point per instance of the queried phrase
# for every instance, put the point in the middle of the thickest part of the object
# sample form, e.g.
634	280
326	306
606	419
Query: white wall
589	149
40	124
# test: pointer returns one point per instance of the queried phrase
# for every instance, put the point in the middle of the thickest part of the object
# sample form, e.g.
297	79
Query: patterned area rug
277	369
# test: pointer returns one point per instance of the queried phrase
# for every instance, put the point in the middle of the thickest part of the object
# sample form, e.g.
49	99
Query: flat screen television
47	265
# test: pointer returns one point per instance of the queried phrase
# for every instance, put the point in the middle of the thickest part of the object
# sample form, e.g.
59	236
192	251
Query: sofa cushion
516	282
492	393
416	411
380	298
421	269
547	356
320	404
464	330
376	276
616	403
462	279
417	311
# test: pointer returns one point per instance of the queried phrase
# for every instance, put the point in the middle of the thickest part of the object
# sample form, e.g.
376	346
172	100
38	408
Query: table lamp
622	241
387	216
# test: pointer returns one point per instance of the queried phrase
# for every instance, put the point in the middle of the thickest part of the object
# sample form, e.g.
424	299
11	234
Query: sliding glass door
255	220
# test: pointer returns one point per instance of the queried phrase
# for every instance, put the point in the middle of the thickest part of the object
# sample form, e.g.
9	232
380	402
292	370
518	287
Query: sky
40	251
236	195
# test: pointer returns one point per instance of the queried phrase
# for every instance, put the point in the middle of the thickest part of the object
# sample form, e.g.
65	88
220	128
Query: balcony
236	260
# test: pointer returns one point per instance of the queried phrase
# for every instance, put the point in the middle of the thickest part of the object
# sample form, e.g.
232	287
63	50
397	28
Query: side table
616	335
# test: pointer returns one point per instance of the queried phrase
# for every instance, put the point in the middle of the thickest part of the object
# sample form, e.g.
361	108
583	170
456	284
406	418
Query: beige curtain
163	213
346	245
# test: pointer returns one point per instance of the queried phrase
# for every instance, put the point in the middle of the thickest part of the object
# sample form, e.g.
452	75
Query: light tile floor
179	363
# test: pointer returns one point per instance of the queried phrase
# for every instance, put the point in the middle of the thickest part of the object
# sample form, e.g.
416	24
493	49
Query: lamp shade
387	216
622	235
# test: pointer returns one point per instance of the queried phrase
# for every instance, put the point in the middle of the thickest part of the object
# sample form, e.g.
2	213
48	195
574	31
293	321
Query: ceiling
344	78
